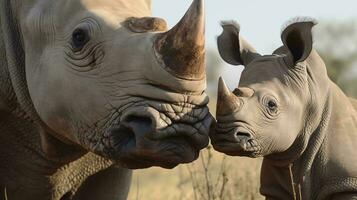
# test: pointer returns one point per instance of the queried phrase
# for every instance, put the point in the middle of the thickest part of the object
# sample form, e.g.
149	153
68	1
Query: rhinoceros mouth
235	141
146	136
134	153
247	148
166	153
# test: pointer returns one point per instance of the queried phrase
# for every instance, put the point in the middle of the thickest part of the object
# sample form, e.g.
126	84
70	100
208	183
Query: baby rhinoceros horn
181	49
227	102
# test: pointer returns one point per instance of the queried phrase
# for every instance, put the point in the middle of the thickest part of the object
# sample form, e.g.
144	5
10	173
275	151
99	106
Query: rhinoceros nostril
243	135
139	125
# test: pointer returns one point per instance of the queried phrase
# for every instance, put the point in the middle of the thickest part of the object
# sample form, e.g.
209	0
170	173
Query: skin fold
287	110
91	89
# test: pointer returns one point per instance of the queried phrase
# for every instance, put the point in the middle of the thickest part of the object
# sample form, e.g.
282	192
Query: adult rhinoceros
288	110
87	85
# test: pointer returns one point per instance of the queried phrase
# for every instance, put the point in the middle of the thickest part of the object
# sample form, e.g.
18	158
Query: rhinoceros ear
297	37
232	48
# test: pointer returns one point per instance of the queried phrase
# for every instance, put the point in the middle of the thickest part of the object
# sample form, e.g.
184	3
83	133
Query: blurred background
214	176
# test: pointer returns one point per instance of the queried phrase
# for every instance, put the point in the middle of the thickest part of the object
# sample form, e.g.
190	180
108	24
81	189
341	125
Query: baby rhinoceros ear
297	38
233	48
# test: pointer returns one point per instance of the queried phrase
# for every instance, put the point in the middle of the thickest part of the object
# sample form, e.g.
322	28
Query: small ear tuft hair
232	23
298	19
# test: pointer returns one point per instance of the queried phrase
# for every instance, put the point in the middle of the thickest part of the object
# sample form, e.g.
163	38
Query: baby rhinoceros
287	110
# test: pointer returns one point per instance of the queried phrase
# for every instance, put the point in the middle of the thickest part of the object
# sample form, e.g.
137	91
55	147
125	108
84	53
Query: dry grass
5	194
212	177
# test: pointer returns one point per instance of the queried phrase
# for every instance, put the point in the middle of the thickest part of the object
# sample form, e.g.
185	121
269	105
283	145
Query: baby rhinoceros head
278	96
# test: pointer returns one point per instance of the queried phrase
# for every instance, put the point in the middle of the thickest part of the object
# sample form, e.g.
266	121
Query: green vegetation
336	42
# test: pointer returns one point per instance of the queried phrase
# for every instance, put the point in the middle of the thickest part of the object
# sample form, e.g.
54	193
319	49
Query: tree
336	42
214	69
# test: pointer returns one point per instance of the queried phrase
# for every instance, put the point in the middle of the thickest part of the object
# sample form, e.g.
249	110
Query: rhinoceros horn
181	49
227	102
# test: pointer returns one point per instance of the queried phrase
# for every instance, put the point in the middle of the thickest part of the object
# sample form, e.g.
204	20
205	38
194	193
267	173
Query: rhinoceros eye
80	37
272	105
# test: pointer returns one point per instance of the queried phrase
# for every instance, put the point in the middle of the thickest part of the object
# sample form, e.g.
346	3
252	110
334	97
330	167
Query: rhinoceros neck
327	149
24	168
335	165
14	92
22	162
7	95
323	153
339	115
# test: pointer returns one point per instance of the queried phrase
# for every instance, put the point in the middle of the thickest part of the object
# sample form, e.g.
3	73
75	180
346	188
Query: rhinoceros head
276	96
105	76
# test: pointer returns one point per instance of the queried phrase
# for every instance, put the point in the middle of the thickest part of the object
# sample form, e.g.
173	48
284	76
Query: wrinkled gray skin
88	87
287	109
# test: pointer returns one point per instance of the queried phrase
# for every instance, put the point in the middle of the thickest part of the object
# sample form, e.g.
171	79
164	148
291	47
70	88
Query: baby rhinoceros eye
272	105
80	37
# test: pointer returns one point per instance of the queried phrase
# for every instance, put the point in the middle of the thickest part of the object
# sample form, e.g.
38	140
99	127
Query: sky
260	20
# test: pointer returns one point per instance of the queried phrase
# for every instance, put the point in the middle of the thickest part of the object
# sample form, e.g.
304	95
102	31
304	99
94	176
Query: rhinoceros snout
140	126
143	138
234	141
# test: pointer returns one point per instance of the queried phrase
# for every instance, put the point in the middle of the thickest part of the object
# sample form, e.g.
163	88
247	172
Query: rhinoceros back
354	103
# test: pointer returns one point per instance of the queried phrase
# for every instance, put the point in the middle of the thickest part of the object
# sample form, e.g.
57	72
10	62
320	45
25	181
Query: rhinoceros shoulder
339	147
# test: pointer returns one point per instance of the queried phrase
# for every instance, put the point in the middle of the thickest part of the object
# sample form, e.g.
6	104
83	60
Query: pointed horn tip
223	88
227	102
198	2
182	48
197	10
